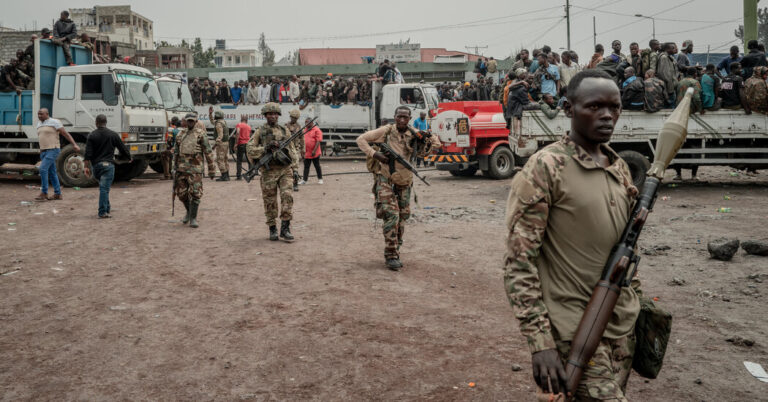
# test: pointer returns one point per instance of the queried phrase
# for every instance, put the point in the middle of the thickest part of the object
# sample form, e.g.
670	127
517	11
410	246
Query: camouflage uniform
655	94
277	178
756	91
549	272
298	147
190	148
221	135
683	86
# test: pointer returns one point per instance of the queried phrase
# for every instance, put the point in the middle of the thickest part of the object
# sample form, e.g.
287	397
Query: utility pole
568	22
750	21
594	32
707	54
476	47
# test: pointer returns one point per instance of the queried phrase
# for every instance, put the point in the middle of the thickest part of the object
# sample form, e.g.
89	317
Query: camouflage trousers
272	180
606	375
393	206
189	186
166	157
221	157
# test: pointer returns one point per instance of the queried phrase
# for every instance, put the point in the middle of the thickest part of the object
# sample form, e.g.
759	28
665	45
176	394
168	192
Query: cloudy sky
503	26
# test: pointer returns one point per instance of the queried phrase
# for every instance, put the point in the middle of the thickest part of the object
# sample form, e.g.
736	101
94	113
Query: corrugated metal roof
314	57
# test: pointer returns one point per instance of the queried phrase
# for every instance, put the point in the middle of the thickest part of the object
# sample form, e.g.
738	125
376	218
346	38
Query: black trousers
316	162
240	157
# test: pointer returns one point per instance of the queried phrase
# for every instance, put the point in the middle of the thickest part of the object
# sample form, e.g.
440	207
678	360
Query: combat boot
285	230
394	264
193	205
224	177
295	181
186	217
273	233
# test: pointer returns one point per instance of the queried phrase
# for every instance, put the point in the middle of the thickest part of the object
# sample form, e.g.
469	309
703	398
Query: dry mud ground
140	307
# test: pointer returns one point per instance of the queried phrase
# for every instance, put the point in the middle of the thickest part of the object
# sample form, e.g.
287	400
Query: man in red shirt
312	139
243	135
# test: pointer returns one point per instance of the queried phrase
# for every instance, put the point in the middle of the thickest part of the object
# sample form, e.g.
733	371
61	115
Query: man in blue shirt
236	91
421	124
724	67
549	76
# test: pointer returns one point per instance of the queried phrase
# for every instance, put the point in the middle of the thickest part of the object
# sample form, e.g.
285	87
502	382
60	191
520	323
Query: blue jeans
104	172
48	170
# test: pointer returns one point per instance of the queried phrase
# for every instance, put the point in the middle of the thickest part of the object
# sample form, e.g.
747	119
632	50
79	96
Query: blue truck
128	95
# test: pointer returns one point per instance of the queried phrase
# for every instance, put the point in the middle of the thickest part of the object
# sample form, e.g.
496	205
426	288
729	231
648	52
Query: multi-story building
235	57
118	22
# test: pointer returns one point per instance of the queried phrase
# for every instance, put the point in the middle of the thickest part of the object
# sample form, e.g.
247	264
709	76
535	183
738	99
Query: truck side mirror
145	88
117	89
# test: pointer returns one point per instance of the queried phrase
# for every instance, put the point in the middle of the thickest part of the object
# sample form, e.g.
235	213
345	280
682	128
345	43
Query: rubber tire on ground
70	167
468	172
638	166
501	164
157	166
128	171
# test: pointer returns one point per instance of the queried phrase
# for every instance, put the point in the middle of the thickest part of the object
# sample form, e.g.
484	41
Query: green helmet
271	107
218	115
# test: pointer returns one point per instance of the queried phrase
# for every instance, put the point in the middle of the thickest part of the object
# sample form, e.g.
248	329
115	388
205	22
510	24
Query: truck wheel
71	167
157	166
468	172
501	164
128	171
638	166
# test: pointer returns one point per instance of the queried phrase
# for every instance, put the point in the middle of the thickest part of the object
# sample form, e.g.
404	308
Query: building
12	40
317	57
122	25
167	57
237	58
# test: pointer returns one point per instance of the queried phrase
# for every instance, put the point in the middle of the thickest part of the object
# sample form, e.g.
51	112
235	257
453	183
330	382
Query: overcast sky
503	26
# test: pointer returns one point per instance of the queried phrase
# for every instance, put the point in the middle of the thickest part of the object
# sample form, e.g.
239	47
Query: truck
75	95
719	138
177	102
341	124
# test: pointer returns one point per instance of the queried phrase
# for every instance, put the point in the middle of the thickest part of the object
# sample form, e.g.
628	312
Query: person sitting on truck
690	82
710	88
29	56
9	78
632	91
45	33
48	131
548	106
100	154
756	90
655	92
548	75
517	99
732	90
64	31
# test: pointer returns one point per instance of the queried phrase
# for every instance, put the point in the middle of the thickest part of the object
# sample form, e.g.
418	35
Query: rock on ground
723	249
755	247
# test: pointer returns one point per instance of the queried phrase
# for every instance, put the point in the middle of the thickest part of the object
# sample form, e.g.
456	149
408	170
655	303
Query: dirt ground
140	307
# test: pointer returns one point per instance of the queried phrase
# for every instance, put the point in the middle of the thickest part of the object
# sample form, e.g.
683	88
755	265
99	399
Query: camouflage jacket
190	149
220	129
298	143
256	147
683	86
655	94
564	214
756	91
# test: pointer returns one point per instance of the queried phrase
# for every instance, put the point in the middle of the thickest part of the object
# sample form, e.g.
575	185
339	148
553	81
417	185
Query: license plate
462	140
154	148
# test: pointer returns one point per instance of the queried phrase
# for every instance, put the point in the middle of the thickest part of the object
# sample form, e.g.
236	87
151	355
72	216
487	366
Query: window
67	87
99	87
237	60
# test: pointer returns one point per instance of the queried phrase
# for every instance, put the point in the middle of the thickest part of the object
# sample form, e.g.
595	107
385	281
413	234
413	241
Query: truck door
97	96
64	104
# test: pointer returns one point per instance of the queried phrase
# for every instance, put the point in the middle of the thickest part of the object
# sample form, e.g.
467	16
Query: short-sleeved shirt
236	93
243	133
420	124
729	90
48	134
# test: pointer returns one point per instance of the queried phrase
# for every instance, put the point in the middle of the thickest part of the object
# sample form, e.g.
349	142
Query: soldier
221	134
566	210
166	156
298	145
756	90
690	82
392	190
655	92
190	148
276	176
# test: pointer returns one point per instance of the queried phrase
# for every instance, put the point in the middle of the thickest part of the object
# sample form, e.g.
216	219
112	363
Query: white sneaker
302	182
320	181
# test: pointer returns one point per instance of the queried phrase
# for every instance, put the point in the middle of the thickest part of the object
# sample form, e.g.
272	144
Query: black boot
273	233
186	217
193	205
295	181
224	177
285	230
394	264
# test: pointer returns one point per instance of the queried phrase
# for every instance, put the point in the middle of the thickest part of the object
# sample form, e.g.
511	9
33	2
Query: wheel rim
502	163
74	165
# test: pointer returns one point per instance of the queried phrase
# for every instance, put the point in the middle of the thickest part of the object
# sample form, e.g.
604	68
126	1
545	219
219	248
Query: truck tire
638	166
468	172
70	166
157	166
128	171
501	164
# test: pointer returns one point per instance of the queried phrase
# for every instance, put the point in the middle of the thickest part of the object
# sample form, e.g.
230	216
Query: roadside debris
723	249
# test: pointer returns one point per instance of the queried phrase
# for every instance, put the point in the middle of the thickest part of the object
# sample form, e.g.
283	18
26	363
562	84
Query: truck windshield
175	96
139	90
430	93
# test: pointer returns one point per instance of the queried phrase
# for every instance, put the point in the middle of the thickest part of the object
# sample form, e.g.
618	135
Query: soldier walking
221	134
166	157
276	176
298	145
392	190
191	147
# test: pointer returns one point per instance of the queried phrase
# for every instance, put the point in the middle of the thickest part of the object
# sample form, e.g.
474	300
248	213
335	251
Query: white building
118	22
237	58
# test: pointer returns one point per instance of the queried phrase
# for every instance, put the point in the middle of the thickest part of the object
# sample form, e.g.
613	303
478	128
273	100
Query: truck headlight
129	137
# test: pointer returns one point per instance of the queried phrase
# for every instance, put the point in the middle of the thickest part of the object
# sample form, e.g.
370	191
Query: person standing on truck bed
191	147
392	189
48	131
100	153
64	31
221	146
567	208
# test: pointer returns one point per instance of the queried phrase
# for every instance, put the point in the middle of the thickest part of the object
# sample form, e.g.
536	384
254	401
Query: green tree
267	54
762	27
202	58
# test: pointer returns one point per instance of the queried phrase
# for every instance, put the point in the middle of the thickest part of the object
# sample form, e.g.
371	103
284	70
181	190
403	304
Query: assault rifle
269	154
173	197
395	157
616	273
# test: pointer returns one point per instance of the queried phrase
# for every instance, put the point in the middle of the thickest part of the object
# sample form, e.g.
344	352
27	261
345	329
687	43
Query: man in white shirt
264	92
568	68
253	94
294	91
48	131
